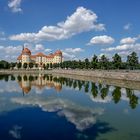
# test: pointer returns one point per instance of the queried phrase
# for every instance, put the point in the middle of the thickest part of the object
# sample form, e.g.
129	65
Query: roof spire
23	47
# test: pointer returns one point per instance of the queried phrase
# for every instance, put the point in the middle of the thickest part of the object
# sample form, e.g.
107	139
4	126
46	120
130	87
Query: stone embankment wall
118	75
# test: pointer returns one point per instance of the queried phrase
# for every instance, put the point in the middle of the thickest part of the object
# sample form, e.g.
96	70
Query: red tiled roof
33	56
26	51
58	52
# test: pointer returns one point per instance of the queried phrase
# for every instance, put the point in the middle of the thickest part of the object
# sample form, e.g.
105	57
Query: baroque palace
39	58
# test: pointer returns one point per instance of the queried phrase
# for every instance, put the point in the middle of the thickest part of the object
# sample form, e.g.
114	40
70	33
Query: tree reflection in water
116	94
133	99
104	91
95	89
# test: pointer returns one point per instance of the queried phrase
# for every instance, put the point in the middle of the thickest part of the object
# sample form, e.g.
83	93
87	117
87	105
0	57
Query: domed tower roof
26	51
58	52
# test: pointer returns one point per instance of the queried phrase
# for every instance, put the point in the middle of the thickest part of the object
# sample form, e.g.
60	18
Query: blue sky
80	28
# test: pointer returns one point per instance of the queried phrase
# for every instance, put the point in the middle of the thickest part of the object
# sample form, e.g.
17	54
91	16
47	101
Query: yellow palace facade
39	58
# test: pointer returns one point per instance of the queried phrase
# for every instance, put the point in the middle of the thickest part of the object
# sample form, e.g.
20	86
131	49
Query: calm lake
47	107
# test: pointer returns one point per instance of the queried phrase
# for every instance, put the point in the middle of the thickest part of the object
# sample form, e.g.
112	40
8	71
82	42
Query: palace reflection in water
41	81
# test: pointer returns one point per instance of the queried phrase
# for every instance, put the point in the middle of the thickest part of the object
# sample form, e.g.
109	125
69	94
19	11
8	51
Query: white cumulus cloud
124	49
14	5
101	40
82	20
120	47
126	45
128	40
71	53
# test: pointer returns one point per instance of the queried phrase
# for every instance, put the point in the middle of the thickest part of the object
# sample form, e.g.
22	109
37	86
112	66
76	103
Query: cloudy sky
80	28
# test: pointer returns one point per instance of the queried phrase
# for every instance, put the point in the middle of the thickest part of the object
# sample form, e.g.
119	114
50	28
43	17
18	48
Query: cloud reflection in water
81	116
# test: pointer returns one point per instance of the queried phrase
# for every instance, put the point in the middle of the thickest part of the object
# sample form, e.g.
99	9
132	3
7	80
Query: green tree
36	65
132	60
67	64
12	65
117	61
50	65
44	66
103	62
87	63
19	78
25	65
4	64
25	78
80	64
55	65
74	64
19	65
47	66
94	62
31	65
62	65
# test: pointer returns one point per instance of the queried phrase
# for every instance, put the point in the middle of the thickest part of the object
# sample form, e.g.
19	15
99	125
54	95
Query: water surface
50	107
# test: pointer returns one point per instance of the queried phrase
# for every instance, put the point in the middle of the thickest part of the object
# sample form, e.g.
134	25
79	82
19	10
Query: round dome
58	52
26	51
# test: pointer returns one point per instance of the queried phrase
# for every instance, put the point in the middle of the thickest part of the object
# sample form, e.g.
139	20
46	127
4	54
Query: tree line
132	62
104	63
